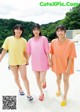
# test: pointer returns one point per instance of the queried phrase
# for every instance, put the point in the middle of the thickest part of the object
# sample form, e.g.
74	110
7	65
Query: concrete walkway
51	102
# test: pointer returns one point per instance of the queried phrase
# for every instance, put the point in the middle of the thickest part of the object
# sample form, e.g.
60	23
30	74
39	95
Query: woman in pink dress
38	49
62	53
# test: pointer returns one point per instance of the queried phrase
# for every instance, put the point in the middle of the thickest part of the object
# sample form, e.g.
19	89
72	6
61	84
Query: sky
30	10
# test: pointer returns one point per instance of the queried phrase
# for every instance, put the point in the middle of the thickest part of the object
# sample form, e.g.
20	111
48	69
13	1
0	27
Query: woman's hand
2	54
50	63
67	72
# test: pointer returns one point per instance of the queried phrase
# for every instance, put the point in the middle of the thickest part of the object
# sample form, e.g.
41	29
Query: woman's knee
24	78
42	80
42	77
37	77
59	78
65	80
16	78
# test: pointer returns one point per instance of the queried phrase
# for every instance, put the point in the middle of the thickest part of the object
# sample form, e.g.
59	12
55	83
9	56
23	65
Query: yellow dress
16	48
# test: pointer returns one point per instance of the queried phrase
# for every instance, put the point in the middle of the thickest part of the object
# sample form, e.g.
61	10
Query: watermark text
59	4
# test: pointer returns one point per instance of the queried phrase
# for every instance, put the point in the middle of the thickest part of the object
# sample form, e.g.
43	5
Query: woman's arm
68	66
27	56
2	54
49	59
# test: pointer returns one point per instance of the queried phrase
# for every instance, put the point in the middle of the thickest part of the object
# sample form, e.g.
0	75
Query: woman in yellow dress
16	47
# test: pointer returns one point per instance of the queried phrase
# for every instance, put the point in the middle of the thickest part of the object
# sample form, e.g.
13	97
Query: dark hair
18	26
36	25
61	27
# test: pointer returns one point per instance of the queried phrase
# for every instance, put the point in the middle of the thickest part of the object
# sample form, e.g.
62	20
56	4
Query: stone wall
72	33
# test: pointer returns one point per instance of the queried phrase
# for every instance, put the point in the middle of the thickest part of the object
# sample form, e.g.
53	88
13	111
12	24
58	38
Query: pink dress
38	49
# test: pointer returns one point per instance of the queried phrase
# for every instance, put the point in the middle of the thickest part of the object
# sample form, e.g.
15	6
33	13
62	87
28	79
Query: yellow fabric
16	48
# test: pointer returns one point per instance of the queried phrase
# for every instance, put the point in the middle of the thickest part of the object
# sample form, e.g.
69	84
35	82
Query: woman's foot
21	92
41	98
58	93
30	98
63	103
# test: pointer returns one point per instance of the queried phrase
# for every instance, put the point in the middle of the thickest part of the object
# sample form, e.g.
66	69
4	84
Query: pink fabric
38	49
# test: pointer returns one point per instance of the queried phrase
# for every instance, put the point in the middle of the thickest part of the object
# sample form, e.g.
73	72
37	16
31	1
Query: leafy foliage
71	21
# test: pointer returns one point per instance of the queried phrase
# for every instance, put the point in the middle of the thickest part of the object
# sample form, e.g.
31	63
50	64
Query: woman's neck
17	36
62	39
37	36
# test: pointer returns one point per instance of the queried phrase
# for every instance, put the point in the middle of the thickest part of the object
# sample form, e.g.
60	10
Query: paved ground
51	102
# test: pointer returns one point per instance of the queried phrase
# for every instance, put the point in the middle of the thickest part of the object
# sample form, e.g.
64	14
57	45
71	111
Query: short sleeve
5	44
46	45
51	48
28	48
72	51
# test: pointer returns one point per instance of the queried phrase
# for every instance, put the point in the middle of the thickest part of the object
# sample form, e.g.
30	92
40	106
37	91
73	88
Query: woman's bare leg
37	74
66	85
14	70
58	81
22	69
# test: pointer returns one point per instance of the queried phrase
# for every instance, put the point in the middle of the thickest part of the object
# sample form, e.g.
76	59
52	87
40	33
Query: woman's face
60	33
18	32
36	32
